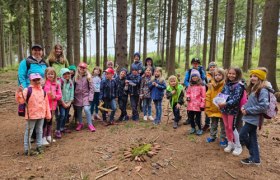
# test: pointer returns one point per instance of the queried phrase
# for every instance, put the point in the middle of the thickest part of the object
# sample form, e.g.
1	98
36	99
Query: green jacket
67	89
58	66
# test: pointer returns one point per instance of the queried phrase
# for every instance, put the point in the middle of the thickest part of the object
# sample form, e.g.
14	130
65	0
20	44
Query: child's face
173	82
58	51
109	76
157	73
122	74
134	72
149	63
82	70
72	72
50	75
110	65
212	68
36	82
195	65
231	75
194	78
96	72
218	77
136	58
148	72
67	75
254	79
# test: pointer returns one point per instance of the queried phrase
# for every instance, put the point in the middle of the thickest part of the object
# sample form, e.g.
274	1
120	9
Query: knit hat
212	63
72	68
195	72
136	54
259	73
123	69
64	70
134	68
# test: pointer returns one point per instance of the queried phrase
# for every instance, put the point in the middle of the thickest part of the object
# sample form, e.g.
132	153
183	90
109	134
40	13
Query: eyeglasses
36	79
82	67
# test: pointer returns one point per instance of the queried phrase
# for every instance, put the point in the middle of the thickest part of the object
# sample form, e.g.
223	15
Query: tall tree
132	32
84	31
121	41
2	59
37	23
97	33
228	33
158	29
171	69
140	25
188	36
70	31
268	49
76	33
212	52
205	38
29	18
167	58
105	34
180	30
163	32
145	29
19	31
47	26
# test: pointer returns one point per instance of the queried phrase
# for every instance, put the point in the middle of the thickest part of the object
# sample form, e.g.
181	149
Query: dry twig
230	174
108	172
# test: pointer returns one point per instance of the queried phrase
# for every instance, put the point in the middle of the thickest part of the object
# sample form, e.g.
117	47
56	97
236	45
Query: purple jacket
83	92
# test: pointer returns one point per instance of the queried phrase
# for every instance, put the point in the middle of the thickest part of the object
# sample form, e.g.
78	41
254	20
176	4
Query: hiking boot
209	140
229	147
187	122
91	128
40	150
199	132
151	118
79	127
126	118
247	161
58	134
49	139
237	150
223	143
145	118
192	131
205	127
45	142
175	125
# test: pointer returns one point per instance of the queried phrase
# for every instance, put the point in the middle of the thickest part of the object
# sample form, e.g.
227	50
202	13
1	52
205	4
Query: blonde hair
97	68
172	77
256	88
161	79
78	75
220	71
52	57
50	69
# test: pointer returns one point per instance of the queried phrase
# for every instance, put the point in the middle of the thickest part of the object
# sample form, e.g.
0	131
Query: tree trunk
252	27
228	33
84	31
145	29
205	38
114	33
158	29
29	19
70	33
97	34
37	23
188	36
141	19
121	41
212	52
2	59
132	32
171	69
105	35
20	51
76	33
268	49
247	45
180	32
163	33
168	35
47	26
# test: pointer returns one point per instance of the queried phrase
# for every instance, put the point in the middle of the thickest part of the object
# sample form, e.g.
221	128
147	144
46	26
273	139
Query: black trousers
195	118
176	112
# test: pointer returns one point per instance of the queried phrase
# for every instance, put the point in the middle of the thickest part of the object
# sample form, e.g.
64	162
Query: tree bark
180	32
121	41
2	59
84	32
29	19
37	23
188	36
168	35
248	45
70	33
158	29
205	38
252	27
47	26
105	34
145	29
212	52
268	49
141	21
76	33
132	32
97	33
163	33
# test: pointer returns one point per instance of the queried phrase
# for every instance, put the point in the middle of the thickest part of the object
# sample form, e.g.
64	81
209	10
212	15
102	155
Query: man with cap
137	64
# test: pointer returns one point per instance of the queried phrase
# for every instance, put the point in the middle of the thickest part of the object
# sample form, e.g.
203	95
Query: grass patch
141	150
191	138
129	125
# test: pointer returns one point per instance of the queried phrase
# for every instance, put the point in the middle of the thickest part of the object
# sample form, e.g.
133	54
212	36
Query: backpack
244	97
22	107
272	110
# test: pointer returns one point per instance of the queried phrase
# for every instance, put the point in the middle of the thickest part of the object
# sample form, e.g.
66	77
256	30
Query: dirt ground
80	155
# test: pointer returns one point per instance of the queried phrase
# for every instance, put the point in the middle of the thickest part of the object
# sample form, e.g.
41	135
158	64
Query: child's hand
243	111
188	98
20	89
221	105
126	81
173	92
53	97
178	106
154	83
48	120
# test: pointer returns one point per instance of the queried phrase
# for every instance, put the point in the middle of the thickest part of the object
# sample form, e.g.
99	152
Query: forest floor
80	155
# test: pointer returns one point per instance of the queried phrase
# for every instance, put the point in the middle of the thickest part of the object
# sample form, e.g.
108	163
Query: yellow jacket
213	90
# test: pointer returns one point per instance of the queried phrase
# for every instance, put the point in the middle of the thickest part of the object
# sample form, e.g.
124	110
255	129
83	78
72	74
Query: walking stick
28	123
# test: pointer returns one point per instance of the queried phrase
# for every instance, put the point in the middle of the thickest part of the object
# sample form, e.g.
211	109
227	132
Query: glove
202	109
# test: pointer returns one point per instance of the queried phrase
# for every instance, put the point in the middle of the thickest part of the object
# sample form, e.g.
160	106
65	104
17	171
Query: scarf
178	88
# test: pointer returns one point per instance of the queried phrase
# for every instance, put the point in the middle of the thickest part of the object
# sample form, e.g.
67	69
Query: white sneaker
237	150
145	118
229	147
49	139
151	118
45	142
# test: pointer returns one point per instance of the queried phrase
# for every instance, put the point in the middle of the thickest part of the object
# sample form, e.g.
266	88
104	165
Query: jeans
79	110
158	107
95	103
248	137
214	128
176	112
134	104
38	125
195	118
63	115
122	101
147	106
113	106
228	122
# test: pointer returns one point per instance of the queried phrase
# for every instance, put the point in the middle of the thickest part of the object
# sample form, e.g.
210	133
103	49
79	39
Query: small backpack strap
29	92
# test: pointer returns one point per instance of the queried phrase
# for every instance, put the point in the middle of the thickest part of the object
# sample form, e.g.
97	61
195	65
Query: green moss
141	150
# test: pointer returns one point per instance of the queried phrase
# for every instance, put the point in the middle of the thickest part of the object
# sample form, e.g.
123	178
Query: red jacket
53	87
196	94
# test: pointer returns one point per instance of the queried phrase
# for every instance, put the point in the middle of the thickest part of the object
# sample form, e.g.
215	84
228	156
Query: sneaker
66	131
40	150
199	132
79	127
223	143
91	128
247	161
58	134
126	118
209	140
205	127
175	125
229	147
49	139
237	150
151	118
45	142
187	122
192	131
145	118
97	117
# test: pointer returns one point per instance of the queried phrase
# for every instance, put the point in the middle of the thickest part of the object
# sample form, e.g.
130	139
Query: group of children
143	85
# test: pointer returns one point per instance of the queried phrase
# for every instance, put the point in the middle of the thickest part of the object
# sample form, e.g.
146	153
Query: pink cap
83	65
34	76
110	70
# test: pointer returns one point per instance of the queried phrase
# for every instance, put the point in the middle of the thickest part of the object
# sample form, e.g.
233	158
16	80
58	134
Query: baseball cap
36	46
35	76
110	70
83	65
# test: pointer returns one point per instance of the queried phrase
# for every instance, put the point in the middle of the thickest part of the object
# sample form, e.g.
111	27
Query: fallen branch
108	172
139	175
99	152
173	165
155	139
105	169
230	174
174	150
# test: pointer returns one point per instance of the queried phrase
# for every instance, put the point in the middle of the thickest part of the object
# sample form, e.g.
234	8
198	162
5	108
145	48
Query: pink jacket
196	93
53	87
38	105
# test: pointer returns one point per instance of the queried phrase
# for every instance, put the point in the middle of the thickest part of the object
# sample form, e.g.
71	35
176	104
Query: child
96	89
211	110
67	89
83	95
234	90
145	94
149	63
257	104
157	86
134	81
196	101
38	109
72	69
137	64
122	94
108	90
175	94
110	64
53	90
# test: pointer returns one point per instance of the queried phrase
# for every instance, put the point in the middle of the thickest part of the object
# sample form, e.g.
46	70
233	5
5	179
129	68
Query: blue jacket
136	79
157	92
108	90
137	65
28	66
235	91
121	87
188	73
256	106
